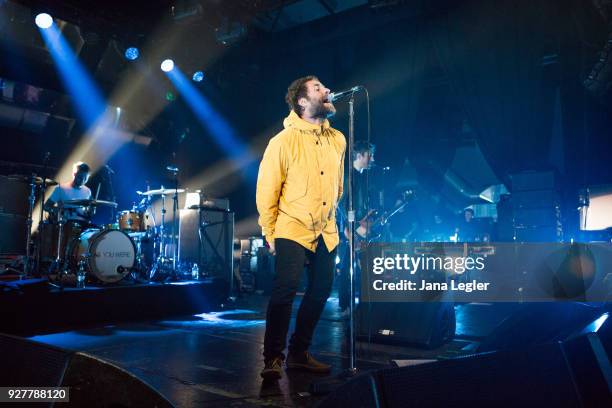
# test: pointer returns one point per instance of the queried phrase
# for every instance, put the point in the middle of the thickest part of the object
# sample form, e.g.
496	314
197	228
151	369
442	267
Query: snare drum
132	221
111	253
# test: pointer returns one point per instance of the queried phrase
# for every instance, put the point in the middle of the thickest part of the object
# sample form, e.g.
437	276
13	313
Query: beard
322	110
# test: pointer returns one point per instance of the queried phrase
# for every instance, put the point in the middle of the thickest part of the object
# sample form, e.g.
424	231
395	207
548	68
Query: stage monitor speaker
206	237
423	324
542	376
92	382
539	323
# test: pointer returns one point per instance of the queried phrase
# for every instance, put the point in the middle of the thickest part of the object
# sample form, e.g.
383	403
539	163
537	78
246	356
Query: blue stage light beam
223	134
87	98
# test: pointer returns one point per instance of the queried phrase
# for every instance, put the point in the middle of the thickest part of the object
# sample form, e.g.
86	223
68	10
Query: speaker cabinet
571	374
206	238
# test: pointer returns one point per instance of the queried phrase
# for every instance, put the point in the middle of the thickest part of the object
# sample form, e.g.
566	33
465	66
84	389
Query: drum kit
134	244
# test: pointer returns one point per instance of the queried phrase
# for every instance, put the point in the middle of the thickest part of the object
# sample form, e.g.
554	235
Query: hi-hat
161	191
87	203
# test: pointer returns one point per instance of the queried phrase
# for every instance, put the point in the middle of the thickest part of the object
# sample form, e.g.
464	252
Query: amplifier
534	199
532	217
13	237
206	238
14	194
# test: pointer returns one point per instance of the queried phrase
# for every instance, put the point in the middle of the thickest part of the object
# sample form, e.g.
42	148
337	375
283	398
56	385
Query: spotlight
132	53
44	20
198	76
167	65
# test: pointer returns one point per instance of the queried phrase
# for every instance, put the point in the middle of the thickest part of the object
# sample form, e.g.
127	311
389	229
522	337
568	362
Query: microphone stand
351	227
328	384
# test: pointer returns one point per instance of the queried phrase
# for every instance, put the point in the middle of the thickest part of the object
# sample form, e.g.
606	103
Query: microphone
108	168
173	169
337	95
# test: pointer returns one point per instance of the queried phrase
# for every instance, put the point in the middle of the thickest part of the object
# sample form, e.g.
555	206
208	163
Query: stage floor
214	359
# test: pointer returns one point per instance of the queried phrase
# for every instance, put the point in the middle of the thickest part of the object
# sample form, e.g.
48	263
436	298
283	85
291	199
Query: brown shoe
305	361
273	369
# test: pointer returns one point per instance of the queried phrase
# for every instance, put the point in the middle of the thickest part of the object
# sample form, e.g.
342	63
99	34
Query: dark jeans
290	260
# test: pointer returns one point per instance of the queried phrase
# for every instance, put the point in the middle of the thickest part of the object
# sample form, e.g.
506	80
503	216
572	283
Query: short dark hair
80	166
298	90
470	210
361	147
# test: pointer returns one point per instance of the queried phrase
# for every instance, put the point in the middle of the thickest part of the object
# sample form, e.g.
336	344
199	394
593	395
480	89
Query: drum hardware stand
174	171
150	233
161	258
109	173
28	258
139	267
162	263
59	264
82	270
41	224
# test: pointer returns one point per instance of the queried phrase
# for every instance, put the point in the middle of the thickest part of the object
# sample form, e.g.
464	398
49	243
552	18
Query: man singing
298	187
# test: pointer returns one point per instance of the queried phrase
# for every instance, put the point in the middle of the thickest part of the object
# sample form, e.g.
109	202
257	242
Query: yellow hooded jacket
300	183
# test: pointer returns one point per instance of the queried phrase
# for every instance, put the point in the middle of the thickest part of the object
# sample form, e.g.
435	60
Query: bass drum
112	254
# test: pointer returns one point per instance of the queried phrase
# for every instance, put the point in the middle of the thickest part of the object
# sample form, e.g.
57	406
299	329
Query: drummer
73	190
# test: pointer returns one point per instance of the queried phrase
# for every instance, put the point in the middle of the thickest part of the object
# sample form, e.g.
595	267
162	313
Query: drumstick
93	210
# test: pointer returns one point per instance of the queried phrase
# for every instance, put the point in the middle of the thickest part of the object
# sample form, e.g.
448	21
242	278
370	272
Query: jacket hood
295	122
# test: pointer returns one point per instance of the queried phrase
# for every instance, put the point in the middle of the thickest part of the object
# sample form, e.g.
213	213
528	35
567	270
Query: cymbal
161	191
87	203
23	178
